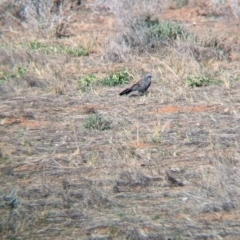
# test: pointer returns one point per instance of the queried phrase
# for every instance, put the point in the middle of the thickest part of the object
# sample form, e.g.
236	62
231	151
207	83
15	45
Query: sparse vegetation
118	78
209	47
47	48
164	30
76	52
156	217
3	158
86	82
97	122
156	138
149	33
94	165
19	73
199	81
4	77
180	3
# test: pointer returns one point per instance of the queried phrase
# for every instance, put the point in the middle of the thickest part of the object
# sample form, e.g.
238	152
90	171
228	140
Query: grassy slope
167	168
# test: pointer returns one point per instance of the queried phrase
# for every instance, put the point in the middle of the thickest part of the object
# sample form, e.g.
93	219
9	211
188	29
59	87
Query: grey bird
140	87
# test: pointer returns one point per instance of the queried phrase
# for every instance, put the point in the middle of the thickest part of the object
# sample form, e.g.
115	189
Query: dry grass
167	165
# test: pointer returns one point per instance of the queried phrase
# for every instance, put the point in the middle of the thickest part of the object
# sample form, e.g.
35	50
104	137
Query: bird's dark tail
126	91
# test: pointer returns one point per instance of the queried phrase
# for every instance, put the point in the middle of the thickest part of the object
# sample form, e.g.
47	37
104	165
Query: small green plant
76	52
43	47
121	77
36	45
156	138
5	76
97	122
156	217
86	82
121	215
20	72
201	81
47	48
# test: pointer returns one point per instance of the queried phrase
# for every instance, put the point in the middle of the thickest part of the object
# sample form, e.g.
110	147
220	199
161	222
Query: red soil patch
32	124
169	109
219	216
88	108
184	14
182	109
140	144
22	121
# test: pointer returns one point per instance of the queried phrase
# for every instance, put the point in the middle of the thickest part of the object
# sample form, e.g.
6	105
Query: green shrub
156	217
198	81
118	78
76	52
47	48
149	33
86	82
97	122
165	30
121	77
43	47
201	81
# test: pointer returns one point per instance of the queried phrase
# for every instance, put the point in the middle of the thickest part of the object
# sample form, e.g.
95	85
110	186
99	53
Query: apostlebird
140	87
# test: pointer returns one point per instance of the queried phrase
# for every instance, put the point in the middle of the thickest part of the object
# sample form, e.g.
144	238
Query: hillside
78	161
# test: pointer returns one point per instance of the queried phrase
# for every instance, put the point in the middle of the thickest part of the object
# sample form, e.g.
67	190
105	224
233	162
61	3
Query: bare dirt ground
168	168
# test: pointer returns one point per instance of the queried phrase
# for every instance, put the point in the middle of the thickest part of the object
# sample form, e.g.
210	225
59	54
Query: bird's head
148	75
